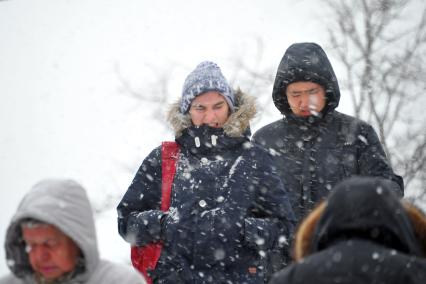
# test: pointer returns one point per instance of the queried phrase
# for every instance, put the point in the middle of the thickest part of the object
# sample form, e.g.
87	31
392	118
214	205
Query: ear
418	220
305	232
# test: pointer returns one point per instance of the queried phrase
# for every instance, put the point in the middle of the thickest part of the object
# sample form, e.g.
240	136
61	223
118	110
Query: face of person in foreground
306	98
51	252
210	109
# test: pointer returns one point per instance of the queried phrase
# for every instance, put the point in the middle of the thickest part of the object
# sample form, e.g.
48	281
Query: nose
40	253
304	102
210	117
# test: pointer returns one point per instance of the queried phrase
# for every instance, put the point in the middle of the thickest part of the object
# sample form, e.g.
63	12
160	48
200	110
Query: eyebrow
203	105
304	91
32	242
219	103
196	105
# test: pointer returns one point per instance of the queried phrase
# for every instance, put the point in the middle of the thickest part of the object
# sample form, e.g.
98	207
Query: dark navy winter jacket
229	218
313	154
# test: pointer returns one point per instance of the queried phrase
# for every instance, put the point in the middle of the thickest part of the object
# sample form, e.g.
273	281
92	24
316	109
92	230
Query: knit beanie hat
206	77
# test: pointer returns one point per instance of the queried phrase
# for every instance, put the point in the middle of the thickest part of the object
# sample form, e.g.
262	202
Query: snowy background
63	110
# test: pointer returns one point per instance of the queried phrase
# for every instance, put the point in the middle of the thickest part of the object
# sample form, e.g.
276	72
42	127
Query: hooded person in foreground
52	239
313	145
363	233
230	216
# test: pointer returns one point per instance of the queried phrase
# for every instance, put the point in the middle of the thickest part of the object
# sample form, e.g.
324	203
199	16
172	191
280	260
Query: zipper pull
197	142
214	140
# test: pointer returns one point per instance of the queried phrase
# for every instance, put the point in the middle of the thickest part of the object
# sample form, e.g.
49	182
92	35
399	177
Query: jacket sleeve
273	221
372	159
139	213
272	197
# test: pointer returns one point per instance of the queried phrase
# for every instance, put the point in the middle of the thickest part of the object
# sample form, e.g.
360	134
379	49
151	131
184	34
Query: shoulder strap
169	156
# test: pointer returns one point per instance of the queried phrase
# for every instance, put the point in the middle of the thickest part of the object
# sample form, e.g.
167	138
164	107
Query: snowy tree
381	46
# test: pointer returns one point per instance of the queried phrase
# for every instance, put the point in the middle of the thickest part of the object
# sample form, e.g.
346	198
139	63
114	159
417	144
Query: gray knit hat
206	77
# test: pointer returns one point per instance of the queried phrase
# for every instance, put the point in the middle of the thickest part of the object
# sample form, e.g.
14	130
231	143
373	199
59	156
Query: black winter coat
229	211
354	262
362	234
313	154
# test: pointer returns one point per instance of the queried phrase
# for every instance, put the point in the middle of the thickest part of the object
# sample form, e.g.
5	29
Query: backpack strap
169	156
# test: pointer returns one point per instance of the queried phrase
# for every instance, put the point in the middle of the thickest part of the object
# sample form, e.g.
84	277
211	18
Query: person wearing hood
229	217
363	233
313	145
52	239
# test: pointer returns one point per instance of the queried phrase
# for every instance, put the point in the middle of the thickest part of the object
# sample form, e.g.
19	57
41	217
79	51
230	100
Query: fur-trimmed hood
236	125
363	208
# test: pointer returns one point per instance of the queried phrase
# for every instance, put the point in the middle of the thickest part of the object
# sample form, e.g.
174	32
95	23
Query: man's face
305	98
51	252
209	108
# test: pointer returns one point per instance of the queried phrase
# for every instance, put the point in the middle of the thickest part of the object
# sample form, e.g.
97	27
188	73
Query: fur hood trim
305	232
237	123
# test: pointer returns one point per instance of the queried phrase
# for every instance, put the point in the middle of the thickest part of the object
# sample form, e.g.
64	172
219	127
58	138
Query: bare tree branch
383	58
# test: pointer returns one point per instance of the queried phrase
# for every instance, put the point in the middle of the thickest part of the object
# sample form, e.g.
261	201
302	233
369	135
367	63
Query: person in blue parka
230	217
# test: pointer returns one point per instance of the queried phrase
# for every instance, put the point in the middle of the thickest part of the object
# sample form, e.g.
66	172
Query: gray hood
64	204
236	125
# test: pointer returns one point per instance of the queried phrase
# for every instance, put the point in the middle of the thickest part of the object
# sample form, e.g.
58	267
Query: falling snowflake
219	254
202	203
220	199
282	240
363	139
10	262
148	176
260	241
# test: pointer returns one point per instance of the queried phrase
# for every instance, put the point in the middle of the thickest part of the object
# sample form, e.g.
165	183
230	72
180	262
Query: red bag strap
145	258
169	156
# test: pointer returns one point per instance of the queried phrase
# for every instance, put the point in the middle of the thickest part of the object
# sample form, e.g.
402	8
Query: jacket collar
207	141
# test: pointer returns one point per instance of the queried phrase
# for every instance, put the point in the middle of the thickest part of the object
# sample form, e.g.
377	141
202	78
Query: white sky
61	111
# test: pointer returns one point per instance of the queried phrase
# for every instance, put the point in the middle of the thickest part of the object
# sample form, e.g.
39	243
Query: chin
304	114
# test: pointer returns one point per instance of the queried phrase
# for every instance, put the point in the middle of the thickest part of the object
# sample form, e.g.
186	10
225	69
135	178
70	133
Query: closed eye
219	105
198	107
313	91
295	94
